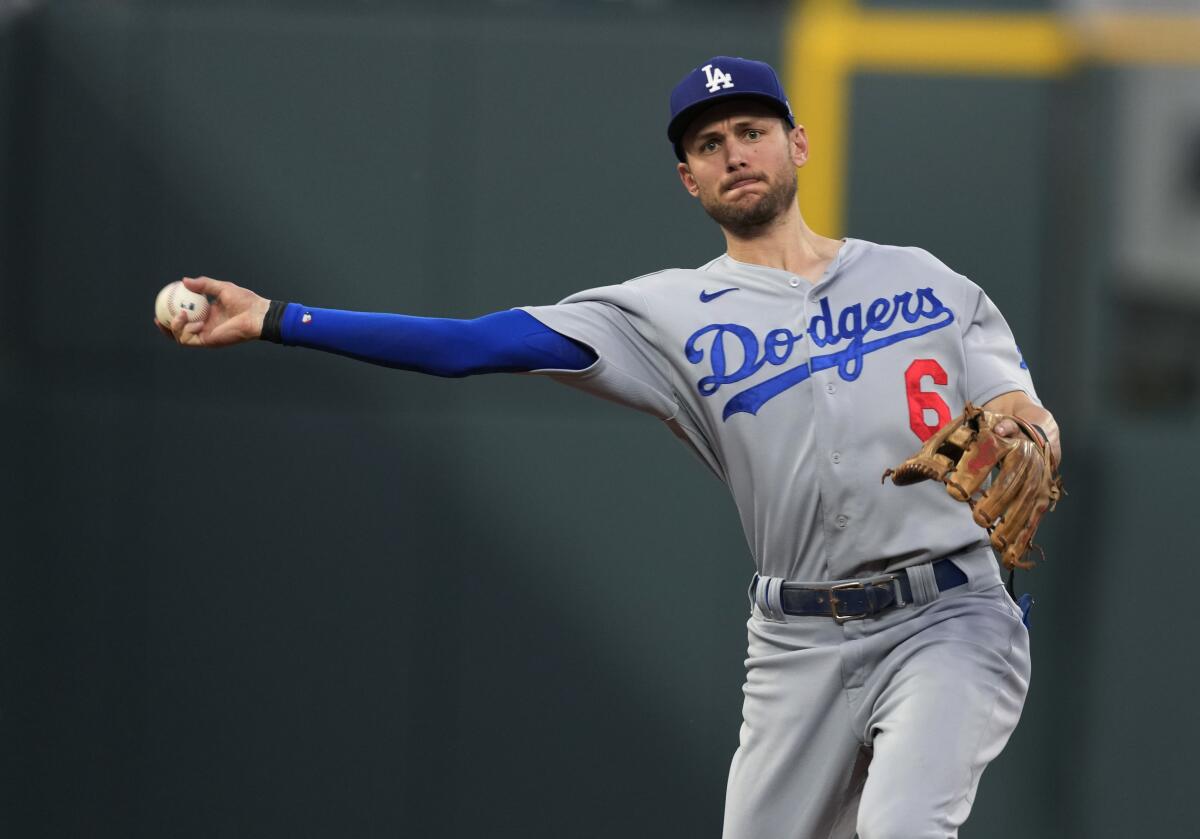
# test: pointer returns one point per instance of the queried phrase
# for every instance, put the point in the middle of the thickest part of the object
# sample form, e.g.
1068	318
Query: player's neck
788	245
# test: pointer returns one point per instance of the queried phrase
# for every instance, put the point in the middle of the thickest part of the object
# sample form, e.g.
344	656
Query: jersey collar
731	265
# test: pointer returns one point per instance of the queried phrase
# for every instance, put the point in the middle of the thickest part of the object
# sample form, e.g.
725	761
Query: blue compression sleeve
504	342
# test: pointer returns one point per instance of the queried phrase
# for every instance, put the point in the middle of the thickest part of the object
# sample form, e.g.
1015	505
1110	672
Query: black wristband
272	323
1042	431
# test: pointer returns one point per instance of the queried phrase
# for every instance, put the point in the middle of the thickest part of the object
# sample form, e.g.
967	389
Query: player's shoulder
908	255
672	279
665	277
910	259
638	292
663	284
632	294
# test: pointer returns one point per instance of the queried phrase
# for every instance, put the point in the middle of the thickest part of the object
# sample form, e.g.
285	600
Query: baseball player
887	665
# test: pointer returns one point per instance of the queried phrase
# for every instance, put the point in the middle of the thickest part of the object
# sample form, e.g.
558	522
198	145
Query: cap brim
679	125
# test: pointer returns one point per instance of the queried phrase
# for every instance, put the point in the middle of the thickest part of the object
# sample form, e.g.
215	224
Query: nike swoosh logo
706	297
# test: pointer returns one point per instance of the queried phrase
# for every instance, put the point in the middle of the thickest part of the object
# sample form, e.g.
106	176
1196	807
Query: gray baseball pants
883	725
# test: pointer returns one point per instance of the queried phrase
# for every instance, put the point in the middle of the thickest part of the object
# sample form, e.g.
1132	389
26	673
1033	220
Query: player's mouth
741	183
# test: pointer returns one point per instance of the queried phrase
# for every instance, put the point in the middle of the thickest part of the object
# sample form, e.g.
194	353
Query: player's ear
798	143
689	182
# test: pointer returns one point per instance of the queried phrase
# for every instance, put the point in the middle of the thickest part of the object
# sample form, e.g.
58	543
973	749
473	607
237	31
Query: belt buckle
894	579
833	601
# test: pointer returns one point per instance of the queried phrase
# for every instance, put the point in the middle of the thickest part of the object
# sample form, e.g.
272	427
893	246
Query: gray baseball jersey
799	395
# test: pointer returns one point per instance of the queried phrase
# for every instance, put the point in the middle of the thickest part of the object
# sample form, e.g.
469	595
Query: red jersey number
920	401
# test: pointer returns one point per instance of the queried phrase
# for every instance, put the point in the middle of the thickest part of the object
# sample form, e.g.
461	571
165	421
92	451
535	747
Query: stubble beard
748	219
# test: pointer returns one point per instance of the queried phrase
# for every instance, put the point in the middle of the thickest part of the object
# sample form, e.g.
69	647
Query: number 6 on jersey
920	401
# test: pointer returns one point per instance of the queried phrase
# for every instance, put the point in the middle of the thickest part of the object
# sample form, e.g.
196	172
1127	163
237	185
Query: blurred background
270	592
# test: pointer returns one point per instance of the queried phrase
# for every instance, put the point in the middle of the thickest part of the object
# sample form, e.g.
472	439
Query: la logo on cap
716	79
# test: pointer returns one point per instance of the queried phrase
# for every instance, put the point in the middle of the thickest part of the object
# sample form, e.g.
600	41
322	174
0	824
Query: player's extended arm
1016	403
509	341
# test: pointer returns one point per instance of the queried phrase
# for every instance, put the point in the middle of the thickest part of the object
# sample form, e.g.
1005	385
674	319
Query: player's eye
709	146
753	134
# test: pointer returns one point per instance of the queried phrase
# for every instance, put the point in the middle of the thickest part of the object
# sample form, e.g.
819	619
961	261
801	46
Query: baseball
174	298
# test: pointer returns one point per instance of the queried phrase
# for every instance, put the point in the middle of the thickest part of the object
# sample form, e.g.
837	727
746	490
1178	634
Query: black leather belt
855	600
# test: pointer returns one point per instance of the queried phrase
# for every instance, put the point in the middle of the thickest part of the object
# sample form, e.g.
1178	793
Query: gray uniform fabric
798	396
795	394
881	726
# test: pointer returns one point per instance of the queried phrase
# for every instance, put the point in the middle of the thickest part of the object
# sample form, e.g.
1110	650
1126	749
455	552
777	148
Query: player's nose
735	157
735	161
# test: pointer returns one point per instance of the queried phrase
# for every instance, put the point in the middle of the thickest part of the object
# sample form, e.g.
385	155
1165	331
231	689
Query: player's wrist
272	322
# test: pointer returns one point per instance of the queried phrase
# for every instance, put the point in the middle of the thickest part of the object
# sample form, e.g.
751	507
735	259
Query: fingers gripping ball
175	298
964	453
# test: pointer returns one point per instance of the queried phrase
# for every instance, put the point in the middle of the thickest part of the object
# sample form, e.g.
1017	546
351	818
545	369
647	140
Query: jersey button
793	282
842	521
836	457
830	387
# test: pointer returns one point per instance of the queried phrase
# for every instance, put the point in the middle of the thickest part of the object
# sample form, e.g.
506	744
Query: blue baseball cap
723	77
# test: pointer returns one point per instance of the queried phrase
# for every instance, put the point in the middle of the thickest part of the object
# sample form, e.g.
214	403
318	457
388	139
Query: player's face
741	164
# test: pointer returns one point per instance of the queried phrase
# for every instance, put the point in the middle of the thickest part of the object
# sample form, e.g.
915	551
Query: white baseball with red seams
174	298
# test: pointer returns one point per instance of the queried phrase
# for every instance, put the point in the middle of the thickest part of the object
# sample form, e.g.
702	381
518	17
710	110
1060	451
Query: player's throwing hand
235	315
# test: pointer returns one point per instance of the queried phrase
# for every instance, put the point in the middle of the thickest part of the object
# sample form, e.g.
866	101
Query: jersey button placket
825	438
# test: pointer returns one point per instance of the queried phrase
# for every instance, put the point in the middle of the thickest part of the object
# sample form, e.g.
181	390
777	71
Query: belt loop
768	597
777	598
923	583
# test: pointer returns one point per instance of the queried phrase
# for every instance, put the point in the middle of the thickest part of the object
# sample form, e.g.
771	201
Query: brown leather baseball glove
963	453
